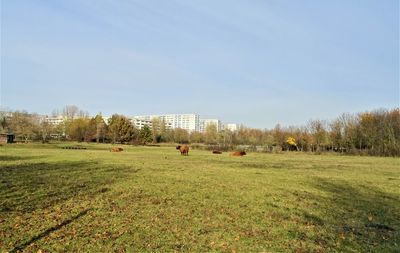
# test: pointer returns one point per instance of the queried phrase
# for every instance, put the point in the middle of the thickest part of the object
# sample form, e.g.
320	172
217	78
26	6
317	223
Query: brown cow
184	149
238	153
116	149
217	152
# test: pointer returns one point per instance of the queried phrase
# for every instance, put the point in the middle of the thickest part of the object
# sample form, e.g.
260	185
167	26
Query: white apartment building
140	123
189	121
231	127
54	120
204	123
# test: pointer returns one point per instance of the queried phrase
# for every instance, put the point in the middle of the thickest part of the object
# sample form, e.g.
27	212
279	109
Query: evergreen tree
145	135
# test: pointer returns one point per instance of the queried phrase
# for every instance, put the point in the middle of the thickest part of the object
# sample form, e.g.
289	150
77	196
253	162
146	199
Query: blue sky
252	62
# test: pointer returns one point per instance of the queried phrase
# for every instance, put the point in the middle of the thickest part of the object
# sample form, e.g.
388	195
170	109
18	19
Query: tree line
371	133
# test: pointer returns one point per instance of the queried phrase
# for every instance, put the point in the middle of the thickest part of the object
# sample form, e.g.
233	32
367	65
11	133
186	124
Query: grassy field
151	199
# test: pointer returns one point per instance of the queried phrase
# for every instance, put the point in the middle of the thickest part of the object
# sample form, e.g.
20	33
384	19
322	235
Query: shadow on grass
362	215
29	186
7	158
247	163
21	247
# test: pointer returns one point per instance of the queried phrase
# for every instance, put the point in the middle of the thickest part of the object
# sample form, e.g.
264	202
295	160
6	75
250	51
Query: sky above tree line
253	62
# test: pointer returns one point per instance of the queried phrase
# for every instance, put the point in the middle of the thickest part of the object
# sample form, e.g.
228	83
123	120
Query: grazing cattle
238	153
217	152
184	149
116	149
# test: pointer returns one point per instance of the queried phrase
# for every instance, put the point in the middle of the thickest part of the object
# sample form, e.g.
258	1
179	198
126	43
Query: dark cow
238	153
184	149
217	152
116	149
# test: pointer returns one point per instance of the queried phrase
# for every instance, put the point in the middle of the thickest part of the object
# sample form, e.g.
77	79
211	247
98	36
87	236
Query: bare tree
70	111
211	134
23	125
4	121
45	129
279	136
319	133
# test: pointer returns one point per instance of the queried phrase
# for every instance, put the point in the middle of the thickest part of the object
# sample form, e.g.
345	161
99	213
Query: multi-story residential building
54	120
204	123
231	127
140	123
189	121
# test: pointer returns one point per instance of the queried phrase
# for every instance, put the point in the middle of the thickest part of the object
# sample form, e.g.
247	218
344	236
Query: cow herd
184	149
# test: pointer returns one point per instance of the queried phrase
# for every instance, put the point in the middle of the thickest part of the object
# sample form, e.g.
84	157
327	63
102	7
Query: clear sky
252	62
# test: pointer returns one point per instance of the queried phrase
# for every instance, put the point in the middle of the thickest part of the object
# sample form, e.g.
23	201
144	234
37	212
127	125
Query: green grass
151	199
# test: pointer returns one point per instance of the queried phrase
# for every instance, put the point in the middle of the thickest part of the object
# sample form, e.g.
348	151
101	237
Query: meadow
152	199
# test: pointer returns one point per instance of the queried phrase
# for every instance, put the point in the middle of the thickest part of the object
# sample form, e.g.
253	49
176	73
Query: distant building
189	121
54	120
140	123
204	123
231	127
